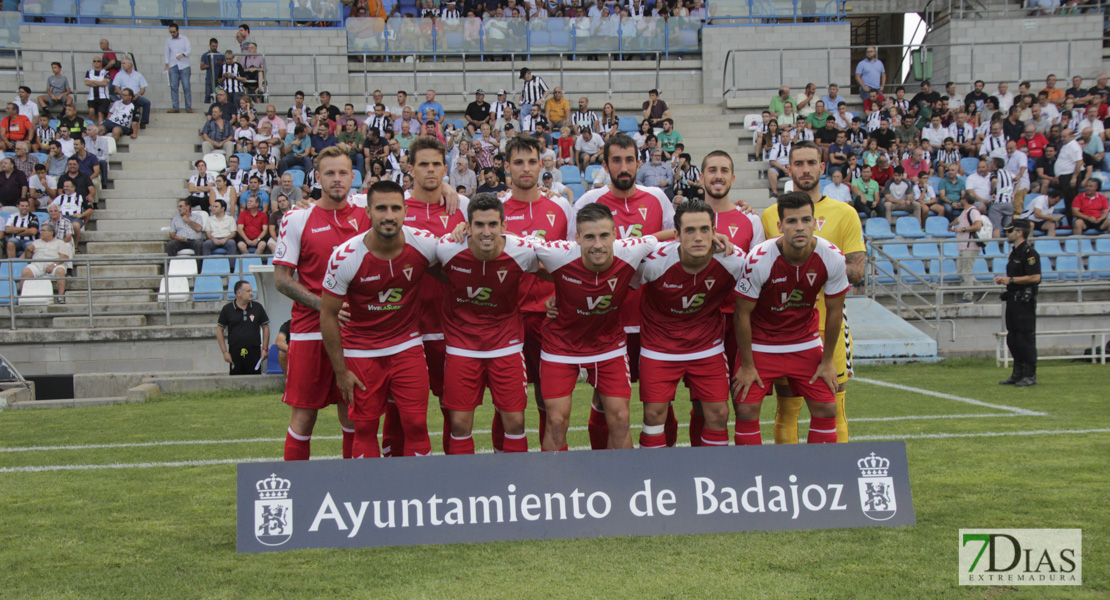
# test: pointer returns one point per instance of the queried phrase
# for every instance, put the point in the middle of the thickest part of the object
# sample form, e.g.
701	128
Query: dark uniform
244	336
1021	313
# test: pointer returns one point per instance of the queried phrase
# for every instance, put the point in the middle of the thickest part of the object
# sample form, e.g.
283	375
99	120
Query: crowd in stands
595	12
944	153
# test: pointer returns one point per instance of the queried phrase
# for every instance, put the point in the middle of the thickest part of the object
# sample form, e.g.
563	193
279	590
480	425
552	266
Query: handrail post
315	77
166	275
89	288
11	293
1021	52
184	12
782	67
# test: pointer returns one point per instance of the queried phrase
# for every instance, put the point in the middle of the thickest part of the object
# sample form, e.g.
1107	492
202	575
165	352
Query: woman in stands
485	147
222	191
872	153
246	107
640	137
609	121
765	142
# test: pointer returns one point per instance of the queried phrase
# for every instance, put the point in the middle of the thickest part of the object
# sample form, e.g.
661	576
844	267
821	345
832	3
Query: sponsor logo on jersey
671	286
321	229
515	218
412	218
693	301
598	302
478	293
392	295
572	280
779	280
631	231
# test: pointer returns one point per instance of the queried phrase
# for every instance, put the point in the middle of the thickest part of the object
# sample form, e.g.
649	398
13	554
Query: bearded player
637	211
684	285
838	223
744	229
380	353
308	237
528	213
482	325
778	330
592	277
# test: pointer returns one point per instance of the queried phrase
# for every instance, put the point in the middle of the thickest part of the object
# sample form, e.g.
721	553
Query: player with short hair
380	352
685	283
838	223
482	325
528	213
778	330
637	211
308	237
591	276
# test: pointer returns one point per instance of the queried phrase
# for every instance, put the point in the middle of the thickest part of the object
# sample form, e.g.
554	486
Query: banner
485	498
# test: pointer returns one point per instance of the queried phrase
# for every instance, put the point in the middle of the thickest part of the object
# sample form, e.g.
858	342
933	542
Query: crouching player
777	327
684	285
380	352
483	326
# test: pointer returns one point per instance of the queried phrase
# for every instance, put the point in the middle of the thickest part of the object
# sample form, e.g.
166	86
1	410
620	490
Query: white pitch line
433	434
225	461
1017	411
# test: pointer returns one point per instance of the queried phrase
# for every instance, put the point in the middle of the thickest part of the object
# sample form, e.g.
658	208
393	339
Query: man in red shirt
253	224
528	213
637	211
1031	142
379	354
777	325
14	128
308	237
685	284
1089	209
883	171
482	325
591	277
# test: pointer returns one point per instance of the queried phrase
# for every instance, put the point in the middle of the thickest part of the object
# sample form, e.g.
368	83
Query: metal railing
939	11
773	12
282	13
68	59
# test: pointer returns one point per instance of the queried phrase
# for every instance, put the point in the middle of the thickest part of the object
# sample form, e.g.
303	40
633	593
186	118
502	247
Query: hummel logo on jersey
779	280
672	286
515	218
407	270
613	284
602	302
321	229
412	218
632	231
572	280
372	278
390	295
460	269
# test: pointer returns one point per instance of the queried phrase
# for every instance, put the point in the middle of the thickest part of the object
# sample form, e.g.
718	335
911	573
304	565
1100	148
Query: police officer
248	332
1023	273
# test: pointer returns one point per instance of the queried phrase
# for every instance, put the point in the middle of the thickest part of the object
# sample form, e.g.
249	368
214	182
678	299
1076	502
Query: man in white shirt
955	101
978	186
935	132
1090	119
50	254
1017	164
27	107
588	149
1005	97
1039	211
176	53
805	101
1069	163
837	190
402	103
220	229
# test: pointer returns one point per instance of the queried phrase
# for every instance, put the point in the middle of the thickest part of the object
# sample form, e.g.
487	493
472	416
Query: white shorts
38	269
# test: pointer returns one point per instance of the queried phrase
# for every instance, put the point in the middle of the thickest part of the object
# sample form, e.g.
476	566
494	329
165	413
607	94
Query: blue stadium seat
539	39
555	135
214	266
1073	246
570	174
938	227
231	281
925	250
1102	245
628	124
900	214
356	182
883	271
949	267
1070	268
998	265
909	228
245	160
42	216
273	367
5	288
591	171
209	287
897	251
1047	272
950	249
992	249
54	123
982	270
909	270
298	176
41	156
1098	266
934	181
578	190
969	164
243	264
877	228
1048	248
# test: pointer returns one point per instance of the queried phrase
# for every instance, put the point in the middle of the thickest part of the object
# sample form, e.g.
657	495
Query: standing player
483	327
428	158
777	327
637	211
838	223
684	287
744	230
591	276
380	352
308	238
528	213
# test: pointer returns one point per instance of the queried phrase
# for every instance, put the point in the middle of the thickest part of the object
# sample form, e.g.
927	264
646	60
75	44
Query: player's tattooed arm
284	282
856	265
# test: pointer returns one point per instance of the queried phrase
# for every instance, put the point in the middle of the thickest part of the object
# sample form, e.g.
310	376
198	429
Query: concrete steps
141	193
125	248
127	224
99	322
106	215
154	235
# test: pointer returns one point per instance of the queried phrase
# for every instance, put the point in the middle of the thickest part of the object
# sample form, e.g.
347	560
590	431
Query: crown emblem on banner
873	466
273	488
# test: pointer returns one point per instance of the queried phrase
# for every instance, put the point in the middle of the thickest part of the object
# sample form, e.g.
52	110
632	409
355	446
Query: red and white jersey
745	231
646	212
682	311
432	218
785	317
481	306
549	220
308	237
382	294
588	326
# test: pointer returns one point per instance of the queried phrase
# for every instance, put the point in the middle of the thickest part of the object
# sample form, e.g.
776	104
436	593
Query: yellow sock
841	419
786	419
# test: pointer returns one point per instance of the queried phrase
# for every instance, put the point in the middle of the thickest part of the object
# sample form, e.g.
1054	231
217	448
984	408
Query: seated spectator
201	185
65	141
883	171
186	230
609	122
13	186
935	132
462	176
48	256
778	159
565	154
222	102
14	128
254	188
837	189
43	134
778	103
21	229
789	118
1089	209
252	226
122	117
765	141
321	139
655	109
41	188
58	93
297	146
220	229
804	101
874	101
656	174
588	149
265	170
865	194
75	207
838	152
824	136
925	195
217	133
490	182
276	123
98	146
978	186
897	196
63	230
531	122
283	206
243	135
915	165
81	183
819	116
430	104
287	189
129	78
254	69
668	138
550	188
1044	169
87	163
884	135
688	179
843	117
300	113
23	160
1039	212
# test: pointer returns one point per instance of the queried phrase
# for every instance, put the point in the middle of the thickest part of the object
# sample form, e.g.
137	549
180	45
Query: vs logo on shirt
599	302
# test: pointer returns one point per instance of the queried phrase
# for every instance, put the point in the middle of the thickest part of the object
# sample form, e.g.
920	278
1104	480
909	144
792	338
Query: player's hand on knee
826	372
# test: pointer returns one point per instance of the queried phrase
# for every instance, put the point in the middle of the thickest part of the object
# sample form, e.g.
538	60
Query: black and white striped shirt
17	220
993	143
497	109
1004	187
961	134
780	153
98	92
72	205
233	86
267	177
449	13
903	105
945	157
532	91
583	120
382	124
687	179
199	181
874	120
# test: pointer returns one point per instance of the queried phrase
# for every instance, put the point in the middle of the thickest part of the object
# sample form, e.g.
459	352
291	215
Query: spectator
26	107
98	146
1055	94
254	69
282	343
1017	164
1068	165
533	91
129	78
463	176
1012	127
254	188
14	128
1039	212
557	109
55	160
74	207
836	189
217	133
321	139
915	165
236	177
21	229
23	160
41	186
656	174
48	256
43	134
211	65
778	159
870	73
122	117
1003	95
963	134
608	121
874	101
668	138
897	196
588	149
655	110
838	152
1000	211
1089	210
766	141
883	171
201	185
978	186
551	188
966	227
430	104
490	182
252	226
825	136
584	118
87	163
111	62
276	123
951	189
779	102
478	111
175	53
803	102
688	179
232	78
223	103
248	332
58	93
63	230
865	192
1044	170
65	141
843	118
502	105
819	116
220	229
832	99
186	230
935	132
243	37
13	186
283	206
300	112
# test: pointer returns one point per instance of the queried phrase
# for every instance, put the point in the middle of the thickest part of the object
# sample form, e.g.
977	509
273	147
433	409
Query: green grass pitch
168	531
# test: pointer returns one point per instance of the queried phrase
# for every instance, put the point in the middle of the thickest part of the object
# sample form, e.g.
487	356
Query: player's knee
715	412
747	411
617	418
302	420
655	413
557	420
824	410
513	422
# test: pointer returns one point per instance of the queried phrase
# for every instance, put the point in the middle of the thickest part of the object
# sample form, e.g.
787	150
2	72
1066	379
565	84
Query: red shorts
797	368
533	338
503	375
706	377
310	380
436	353
403	377
609	378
